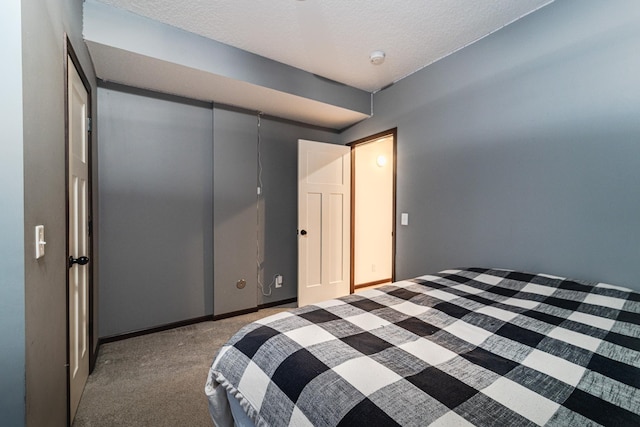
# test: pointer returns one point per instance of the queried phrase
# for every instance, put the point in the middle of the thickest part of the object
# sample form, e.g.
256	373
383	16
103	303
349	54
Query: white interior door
324	201
78	237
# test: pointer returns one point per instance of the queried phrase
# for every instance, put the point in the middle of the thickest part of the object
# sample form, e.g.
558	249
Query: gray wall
240	217
521	151
279	202
156	206
178	208
44	25
234	214
12	322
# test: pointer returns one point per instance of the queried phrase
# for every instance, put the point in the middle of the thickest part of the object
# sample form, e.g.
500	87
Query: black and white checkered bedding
462	347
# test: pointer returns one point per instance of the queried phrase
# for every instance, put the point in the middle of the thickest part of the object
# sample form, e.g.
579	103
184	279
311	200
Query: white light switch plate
404	218
40	242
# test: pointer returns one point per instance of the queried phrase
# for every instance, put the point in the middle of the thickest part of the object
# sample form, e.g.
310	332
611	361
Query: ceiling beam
129	49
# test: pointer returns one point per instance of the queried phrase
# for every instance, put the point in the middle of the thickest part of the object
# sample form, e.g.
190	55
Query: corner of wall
12	260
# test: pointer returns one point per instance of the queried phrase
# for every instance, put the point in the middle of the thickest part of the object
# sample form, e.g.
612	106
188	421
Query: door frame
70	54
393	132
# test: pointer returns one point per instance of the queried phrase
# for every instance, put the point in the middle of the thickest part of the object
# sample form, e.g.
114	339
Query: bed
461	347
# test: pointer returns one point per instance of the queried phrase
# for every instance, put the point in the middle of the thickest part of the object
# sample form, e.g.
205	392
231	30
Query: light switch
40	242
404	218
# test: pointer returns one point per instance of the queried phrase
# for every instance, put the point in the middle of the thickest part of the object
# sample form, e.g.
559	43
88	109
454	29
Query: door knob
303	232
83	260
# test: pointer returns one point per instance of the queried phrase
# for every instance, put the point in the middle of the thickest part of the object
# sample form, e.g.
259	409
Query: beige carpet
157	379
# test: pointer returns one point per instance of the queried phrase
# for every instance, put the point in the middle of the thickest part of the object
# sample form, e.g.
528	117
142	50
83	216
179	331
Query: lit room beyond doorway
373	203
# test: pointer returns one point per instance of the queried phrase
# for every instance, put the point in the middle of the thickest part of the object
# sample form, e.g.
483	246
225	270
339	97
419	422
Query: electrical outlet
278	281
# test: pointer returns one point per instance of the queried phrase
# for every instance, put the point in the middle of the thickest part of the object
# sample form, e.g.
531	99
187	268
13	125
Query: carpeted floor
157	379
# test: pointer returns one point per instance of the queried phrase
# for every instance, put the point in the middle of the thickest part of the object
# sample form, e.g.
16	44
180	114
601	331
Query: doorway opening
373	202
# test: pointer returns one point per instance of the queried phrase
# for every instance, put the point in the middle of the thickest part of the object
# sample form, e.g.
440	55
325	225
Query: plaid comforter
462	347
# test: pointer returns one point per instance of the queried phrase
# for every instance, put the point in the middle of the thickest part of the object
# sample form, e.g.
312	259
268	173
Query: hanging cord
259	158
258	200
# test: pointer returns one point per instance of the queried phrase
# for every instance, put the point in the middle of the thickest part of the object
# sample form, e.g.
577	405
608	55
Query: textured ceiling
333	38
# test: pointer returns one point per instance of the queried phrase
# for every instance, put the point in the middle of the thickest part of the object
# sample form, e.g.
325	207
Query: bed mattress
470	346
